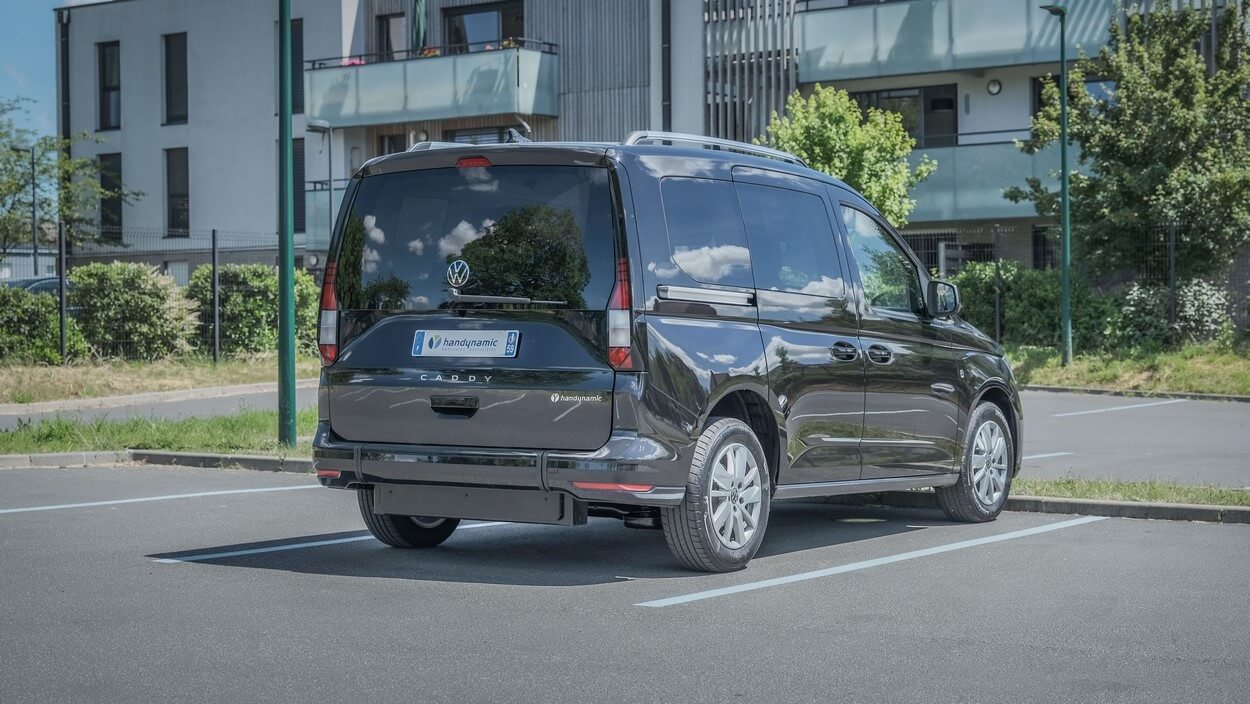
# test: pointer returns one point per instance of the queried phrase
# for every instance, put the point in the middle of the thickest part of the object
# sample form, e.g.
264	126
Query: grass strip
246	432
34	383
1151	491
1208	369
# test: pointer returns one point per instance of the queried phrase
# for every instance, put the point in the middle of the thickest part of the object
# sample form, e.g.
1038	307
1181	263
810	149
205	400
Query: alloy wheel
989	464
736	496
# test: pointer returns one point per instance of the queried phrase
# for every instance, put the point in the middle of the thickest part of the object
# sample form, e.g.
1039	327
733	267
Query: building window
929	113
392	37
298	173
177	193
1096	86
482	27
393	144
297	67
111	204
478	135
109	59
175	78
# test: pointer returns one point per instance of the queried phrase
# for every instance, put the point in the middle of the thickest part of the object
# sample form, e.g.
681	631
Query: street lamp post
320	126
34	197
286	236
1065	223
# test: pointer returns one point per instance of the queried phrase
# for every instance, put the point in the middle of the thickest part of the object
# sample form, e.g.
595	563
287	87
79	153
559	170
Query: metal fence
1159	255
195	260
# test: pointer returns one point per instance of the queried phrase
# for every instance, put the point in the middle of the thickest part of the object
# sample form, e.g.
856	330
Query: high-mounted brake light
328	323
472	162
620	321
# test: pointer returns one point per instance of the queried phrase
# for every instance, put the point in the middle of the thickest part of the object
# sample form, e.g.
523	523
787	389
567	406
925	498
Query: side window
792	243
888	275
705	232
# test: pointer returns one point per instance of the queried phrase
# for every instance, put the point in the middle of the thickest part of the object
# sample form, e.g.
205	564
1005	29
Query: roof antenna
514	137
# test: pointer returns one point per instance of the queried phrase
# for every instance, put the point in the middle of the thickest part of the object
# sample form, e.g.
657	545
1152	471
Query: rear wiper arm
458	297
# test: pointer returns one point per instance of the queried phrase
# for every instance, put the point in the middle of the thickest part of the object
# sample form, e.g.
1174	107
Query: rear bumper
626	459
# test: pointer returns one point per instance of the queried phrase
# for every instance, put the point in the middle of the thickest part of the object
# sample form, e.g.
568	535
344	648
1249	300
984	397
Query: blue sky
28	59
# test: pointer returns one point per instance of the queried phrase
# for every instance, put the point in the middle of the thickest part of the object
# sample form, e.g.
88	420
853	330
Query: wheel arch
750	405
999	394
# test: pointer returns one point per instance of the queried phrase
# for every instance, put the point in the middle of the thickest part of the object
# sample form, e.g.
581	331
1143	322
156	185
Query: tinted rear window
792	243
545	233
705	232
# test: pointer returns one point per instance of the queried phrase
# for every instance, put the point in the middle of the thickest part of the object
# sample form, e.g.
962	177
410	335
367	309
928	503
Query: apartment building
180	94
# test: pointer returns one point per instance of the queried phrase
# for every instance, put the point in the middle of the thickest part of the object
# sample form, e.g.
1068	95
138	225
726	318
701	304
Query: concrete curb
260	463
1138	394
80	404
1084	507
64	459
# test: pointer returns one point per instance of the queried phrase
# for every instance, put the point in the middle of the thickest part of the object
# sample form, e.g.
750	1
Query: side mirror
943	299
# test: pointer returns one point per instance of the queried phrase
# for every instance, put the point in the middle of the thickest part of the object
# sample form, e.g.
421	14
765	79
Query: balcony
970	178
925	36
355	91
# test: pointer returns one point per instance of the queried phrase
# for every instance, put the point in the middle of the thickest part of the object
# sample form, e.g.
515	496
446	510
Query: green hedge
249	307
1031	305
30	330
129	311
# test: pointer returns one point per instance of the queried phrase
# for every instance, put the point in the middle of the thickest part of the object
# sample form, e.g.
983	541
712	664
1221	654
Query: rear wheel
988	466
719	525
404	531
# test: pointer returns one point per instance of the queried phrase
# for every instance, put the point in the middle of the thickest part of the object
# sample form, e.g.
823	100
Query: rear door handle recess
460	406
942	389
879	354
844	351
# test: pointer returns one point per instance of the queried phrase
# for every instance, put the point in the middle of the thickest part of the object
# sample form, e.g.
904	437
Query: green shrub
128	310
1203	314
249	307
1031	301
30	329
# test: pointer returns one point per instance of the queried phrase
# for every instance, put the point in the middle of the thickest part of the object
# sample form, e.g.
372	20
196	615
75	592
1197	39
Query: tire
404	531
981	493
715	481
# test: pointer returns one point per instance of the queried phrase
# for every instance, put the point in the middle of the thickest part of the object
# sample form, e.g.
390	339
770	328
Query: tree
866	149
1167	140
66	189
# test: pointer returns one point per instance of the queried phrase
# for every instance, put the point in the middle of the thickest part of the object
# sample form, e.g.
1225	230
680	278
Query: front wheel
404	531
719	525
988	466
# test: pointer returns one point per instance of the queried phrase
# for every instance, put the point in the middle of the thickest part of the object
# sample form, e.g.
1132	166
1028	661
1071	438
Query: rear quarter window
793	248
705	231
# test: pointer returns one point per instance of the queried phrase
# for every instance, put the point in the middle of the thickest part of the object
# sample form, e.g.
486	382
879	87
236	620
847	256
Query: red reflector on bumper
610	486
329	473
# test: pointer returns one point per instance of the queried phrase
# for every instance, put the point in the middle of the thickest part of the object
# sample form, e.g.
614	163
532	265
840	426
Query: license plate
465	343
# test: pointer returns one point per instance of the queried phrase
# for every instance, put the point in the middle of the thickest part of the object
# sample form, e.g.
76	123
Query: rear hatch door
473	306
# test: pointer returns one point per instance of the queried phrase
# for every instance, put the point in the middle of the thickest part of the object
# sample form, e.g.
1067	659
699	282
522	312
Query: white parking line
1121	408
290	546
855	566
167	497
1045	454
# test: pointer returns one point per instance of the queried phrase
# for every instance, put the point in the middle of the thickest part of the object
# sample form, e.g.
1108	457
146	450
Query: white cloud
711	264
375	233
15	74
417	247
453	242
371	259
418	301
825	287
719	358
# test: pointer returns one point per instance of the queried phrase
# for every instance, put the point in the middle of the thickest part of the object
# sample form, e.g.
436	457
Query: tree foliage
30	329
534	251
1169	141
866	149
66	189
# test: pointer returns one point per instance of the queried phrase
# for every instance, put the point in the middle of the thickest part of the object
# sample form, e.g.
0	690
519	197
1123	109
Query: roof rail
649	137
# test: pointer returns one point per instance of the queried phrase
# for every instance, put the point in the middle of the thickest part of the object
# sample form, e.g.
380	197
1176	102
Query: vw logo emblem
458	273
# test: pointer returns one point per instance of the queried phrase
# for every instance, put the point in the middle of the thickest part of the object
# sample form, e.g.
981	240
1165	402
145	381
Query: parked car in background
673	331
41	284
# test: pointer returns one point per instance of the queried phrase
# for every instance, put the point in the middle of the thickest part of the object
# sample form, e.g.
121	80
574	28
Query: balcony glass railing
520	76
970	179
924	36
317	221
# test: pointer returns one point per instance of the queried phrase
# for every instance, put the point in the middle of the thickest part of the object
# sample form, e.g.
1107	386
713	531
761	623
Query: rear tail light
620	321
328	323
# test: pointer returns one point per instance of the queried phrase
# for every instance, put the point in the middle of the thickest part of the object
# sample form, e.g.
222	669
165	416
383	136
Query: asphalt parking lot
254	586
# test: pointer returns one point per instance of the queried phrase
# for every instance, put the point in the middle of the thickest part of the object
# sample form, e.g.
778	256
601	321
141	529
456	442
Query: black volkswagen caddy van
674	331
